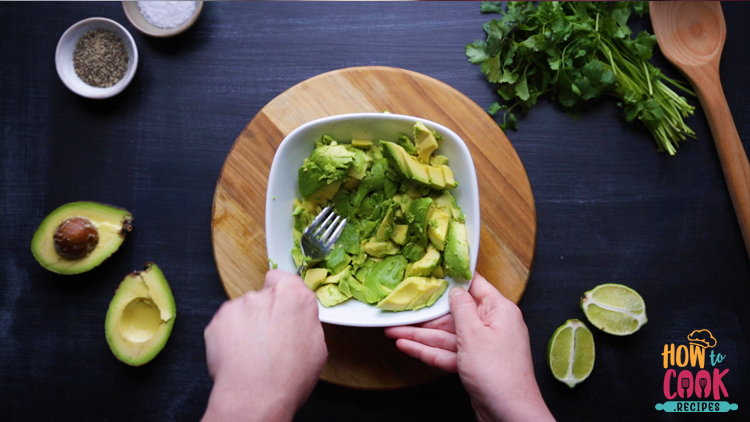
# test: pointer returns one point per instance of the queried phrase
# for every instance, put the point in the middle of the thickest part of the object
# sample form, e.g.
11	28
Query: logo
701	385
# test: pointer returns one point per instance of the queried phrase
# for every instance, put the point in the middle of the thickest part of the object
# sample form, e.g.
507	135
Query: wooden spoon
691	35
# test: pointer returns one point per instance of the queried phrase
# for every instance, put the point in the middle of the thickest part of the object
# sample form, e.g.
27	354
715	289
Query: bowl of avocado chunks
409	190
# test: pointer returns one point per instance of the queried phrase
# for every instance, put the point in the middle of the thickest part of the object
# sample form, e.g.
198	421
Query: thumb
464	310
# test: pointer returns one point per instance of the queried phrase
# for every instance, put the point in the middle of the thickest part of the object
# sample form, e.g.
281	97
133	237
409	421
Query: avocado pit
75	237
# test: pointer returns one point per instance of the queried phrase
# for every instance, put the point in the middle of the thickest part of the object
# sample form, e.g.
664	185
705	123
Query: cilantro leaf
577	52
475	52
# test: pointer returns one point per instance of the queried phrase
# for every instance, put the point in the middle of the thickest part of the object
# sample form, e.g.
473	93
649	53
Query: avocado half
79	236
141	316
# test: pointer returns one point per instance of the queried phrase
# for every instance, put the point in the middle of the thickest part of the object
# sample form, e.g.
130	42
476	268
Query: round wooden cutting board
364	357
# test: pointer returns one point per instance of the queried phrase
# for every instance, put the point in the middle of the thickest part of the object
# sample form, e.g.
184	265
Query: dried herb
100	58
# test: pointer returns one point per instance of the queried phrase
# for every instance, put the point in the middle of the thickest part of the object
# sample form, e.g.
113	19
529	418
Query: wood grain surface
692	36
365	358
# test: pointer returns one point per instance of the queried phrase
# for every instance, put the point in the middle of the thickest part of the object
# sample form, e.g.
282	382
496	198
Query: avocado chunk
438	160
408	166
389	272
336	278
381	277
337	259
417	217
140	316
424	266
433	290
438	272
399	234
437	180
327	164
413	293
330	295
456	255
386	227
359	165
314	277
450	182
374	181
447	202
417	170
380	249
425	140
352	287
403	295
362	143
437	227
405	142
397	155
324	194
413	251
79	236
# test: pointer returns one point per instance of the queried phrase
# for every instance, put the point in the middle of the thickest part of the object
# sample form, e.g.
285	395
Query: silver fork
318	238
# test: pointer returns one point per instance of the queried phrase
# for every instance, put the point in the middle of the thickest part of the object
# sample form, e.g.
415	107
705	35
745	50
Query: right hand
265	351
486	341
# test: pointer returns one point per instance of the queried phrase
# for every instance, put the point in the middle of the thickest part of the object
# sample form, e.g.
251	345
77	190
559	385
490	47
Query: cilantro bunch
577	52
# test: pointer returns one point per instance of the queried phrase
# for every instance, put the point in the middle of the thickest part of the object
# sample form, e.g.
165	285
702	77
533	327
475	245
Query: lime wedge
614	309
570	353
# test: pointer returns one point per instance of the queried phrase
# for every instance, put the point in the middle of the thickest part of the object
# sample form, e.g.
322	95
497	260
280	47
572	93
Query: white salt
167	14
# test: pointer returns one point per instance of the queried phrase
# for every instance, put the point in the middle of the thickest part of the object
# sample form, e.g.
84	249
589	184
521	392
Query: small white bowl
134	15
67	45
282	185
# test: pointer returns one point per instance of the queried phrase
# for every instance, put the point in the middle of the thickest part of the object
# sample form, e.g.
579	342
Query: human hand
265	351
486	341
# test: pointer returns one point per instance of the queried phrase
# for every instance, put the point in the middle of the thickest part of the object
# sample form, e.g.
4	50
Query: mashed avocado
402	220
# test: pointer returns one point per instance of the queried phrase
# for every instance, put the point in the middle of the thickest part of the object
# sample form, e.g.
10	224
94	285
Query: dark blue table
609	207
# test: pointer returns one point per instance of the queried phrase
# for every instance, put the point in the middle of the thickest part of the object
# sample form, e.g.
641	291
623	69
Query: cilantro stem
577	52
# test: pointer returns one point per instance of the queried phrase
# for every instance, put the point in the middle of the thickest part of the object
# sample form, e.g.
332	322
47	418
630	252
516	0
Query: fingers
444	323
427	336
482	289
464	310
276	277
439	358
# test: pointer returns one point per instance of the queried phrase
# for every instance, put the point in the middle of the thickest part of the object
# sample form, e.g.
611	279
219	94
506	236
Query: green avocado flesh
111	224
140	316
400	226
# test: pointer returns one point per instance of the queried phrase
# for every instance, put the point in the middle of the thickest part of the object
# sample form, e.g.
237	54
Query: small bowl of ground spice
162	18
96	58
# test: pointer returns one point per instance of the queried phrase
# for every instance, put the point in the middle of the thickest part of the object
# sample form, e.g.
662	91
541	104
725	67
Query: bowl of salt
162	18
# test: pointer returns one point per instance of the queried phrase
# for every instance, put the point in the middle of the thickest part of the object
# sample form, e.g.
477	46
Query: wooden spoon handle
728	145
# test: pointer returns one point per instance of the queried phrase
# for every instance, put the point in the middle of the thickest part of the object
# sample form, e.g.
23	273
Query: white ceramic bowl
134	15
64	57
282	185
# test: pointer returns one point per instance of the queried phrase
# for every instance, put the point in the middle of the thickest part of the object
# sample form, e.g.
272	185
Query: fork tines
327	226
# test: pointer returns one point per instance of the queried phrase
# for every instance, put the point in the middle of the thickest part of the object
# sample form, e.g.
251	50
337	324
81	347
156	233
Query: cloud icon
702	338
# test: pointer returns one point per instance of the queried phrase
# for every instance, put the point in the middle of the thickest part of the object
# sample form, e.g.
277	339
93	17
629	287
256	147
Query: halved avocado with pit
79	236
141	316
